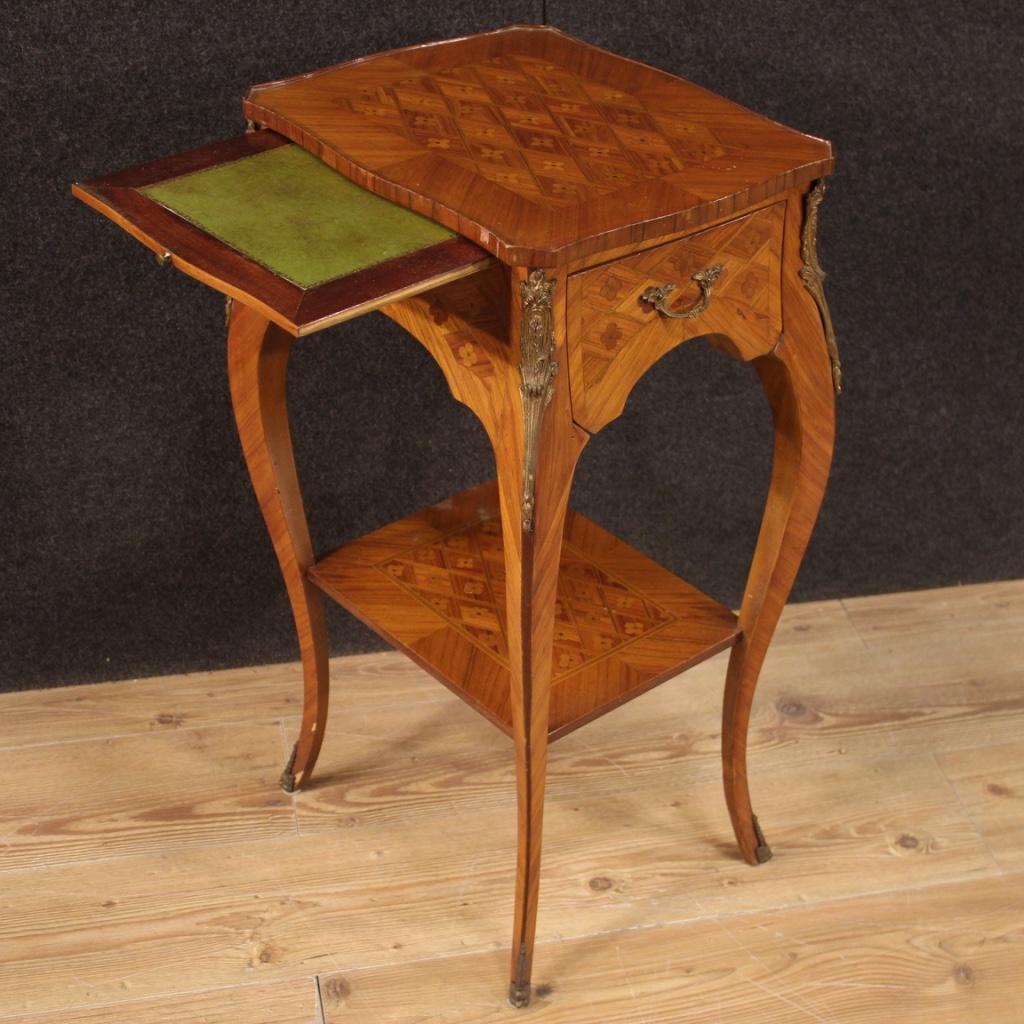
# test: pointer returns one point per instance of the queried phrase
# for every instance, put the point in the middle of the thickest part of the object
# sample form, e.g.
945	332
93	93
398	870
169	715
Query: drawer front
615	335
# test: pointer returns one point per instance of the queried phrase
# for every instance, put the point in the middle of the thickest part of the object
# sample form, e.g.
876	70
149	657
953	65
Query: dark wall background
132	544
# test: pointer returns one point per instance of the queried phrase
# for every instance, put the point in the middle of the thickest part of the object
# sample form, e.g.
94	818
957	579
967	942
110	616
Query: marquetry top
536	145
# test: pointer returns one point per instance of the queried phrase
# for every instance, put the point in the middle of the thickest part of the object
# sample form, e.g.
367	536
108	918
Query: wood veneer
538	146
258	354
615	336
300	311
797	380
433	585
551	154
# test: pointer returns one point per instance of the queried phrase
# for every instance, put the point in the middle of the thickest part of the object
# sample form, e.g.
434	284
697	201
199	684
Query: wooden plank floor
152	871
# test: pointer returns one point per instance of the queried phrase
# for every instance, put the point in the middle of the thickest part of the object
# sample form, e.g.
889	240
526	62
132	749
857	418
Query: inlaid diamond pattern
537	146
535	128
461	576
616	317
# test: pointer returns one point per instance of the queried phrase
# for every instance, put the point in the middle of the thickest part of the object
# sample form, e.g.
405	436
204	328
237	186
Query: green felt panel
290	212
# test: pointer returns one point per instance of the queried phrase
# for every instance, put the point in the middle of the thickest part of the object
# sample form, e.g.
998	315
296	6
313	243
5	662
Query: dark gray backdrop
132	544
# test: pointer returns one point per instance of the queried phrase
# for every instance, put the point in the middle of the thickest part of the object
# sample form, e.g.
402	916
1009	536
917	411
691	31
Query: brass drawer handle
705	279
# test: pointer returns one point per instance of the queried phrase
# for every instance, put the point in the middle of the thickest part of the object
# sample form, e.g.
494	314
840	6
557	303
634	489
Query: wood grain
796	377
136	793
234	913
865	903
538	146
667	856
989	783
551	622
288	1002
257	693
965	612
258	354
860	709
550	153
199	254
463	325
628	249
615	337
950	954
433	585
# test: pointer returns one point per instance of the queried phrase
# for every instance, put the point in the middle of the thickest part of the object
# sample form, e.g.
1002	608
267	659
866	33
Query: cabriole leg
258	352
536	461
797	378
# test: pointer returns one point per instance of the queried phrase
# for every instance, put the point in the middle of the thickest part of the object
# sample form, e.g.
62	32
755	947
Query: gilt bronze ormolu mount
537	368
814	278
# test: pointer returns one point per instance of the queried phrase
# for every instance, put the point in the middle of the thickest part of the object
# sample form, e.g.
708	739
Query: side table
547	219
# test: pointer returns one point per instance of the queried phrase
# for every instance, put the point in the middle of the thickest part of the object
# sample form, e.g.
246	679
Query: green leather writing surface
290	212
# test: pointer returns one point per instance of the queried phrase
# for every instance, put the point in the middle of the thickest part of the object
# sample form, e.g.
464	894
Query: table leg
797	379
512	372
535	464
258	352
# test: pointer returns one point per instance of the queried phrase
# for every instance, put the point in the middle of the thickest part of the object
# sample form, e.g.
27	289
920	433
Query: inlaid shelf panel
433	585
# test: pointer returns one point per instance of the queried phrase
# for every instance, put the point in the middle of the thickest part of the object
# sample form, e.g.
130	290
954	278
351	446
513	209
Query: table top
538	146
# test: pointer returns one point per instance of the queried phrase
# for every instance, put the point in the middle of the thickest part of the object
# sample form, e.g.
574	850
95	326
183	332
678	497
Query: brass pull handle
705	279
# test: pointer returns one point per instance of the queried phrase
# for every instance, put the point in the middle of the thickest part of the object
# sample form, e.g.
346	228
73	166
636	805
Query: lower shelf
433	585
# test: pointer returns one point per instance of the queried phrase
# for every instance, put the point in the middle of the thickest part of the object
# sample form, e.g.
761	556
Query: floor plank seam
213	723
900	878
321	1017
142	1000
671	923
762	909
843	603
967	813
114	737
162	852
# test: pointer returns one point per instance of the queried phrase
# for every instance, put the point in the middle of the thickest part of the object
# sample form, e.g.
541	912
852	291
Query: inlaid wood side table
547	219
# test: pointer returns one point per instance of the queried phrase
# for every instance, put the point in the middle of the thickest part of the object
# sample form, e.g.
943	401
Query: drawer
615	336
